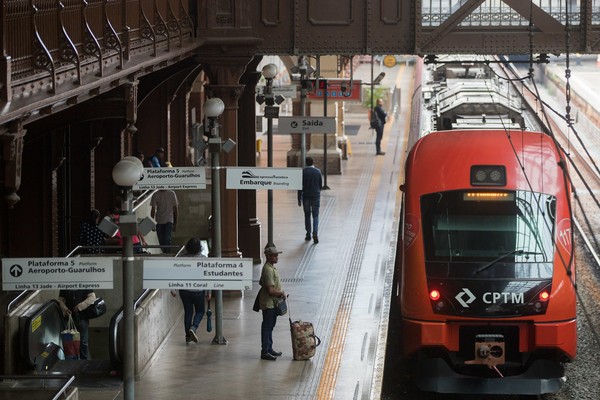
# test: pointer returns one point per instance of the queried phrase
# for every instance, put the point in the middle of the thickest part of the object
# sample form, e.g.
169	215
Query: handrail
70	379
24	292
118	316
142	297
147	246
144	198
113	340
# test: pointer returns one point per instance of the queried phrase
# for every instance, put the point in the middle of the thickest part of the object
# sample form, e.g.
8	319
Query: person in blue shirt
310	198
157	160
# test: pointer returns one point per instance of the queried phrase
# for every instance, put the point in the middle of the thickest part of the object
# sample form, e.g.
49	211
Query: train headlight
488	175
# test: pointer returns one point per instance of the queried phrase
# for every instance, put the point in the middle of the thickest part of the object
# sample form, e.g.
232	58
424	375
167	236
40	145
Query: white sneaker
193	336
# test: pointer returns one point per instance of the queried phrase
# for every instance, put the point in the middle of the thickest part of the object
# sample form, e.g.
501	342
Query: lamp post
125	174
325	89
213	108
304	69
272	102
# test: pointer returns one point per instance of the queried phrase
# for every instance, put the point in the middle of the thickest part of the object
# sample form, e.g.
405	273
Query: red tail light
434	295
544	296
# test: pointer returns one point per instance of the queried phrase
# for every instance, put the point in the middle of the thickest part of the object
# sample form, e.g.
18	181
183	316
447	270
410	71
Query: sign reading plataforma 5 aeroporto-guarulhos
178	178
206	273
57	273
264	178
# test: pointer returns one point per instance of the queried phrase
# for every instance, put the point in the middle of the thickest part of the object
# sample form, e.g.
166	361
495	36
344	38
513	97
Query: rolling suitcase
304	340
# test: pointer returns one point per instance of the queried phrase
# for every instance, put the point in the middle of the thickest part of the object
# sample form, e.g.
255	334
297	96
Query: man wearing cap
270	289
157	159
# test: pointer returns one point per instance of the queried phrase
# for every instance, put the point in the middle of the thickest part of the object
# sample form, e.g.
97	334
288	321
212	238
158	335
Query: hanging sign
178	178
57	273
307	125
264	178
287	91
340	90
204	273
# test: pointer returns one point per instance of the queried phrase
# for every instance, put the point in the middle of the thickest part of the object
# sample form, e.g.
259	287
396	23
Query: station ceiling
320	27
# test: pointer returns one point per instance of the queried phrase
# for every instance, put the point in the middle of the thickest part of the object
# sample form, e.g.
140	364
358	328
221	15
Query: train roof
458	94
441	160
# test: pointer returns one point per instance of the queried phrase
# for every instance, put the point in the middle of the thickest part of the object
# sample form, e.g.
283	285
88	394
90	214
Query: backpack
375	121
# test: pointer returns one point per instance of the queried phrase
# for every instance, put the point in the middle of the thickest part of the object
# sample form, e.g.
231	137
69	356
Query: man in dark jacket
310	197
71	303
382	115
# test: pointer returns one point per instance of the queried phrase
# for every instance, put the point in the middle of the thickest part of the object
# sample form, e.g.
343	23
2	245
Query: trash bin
258	145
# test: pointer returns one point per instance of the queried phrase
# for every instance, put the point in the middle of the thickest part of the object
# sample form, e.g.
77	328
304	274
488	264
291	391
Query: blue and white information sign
178	178
264	178
206	273
57	273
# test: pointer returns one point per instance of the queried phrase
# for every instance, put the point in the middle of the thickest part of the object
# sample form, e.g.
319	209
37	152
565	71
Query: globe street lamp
213	108
304	70
272	102
127	173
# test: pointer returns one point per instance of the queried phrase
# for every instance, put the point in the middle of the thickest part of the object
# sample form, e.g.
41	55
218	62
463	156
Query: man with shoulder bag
269	292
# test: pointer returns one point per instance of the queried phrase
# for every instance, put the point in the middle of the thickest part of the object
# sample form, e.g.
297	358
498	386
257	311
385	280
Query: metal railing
41	380
43	38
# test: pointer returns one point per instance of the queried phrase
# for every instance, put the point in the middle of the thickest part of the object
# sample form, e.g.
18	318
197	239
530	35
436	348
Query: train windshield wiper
502	257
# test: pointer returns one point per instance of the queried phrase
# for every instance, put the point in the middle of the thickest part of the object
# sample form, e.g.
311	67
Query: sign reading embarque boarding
198	273
307	125
288	91
172	178
57	273
264	178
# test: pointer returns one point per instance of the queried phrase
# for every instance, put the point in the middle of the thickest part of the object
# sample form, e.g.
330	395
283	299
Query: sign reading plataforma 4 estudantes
264	178
198	273
57	273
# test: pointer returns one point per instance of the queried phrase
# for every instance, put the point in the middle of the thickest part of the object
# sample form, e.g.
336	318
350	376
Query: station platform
342	285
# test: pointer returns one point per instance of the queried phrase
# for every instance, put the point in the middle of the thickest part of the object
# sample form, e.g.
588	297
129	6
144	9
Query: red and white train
485	272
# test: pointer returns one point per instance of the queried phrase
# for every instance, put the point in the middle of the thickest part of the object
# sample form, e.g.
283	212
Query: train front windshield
482	226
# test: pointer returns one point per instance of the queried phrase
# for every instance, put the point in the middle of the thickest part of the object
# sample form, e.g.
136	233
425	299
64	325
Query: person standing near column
164	210
382	115
310	198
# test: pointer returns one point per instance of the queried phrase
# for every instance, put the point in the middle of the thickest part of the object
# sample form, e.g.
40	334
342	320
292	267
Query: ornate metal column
229	200
224	61
248	223
12	154
131	105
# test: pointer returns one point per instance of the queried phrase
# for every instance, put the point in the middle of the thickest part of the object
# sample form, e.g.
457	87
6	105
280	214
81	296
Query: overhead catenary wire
568	178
